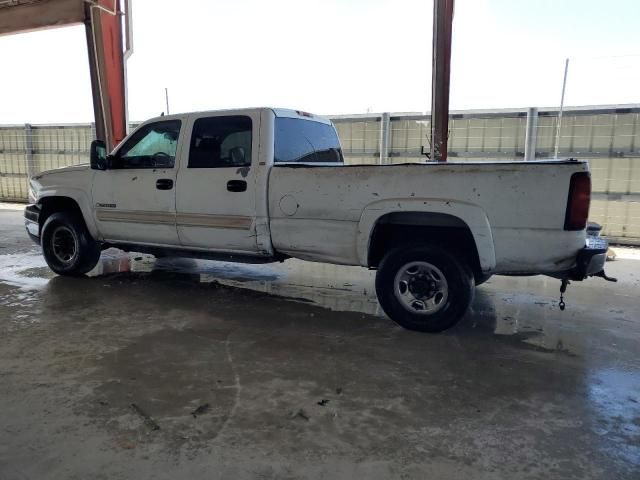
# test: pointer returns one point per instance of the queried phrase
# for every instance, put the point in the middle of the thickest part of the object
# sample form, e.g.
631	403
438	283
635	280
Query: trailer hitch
563	288
565	282
605	276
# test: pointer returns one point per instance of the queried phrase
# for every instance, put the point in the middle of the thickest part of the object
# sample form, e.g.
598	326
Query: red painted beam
106	61
111	29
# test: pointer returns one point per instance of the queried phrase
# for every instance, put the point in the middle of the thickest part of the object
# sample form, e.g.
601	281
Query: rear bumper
591	259
32	222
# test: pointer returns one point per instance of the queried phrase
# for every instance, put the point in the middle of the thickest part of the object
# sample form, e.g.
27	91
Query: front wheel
424	288
67	246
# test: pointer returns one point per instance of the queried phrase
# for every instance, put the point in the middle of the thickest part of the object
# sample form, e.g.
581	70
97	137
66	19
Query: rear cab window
306	141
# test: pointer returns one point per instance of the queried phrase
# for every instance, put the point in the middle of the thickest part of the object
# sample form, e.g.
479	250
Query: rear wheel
424	288
67	246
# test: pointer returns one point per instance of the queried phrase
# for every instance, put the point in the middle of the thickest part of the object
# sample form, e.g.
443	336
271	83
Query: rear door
216	185
134	200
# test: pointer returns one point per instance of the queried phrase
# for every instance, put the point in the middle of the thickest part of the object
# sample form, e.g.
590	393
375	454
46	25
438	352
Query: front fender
472	215
80	197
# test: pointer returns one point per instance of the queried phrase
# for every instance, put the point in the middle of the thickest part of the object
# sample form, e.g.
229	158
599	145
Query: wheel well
49	205
403	228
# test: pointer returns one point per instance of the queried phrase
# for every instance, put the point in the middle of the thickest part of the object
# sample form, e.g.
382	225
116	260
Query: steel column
531	134
559	122
98	112
106	66
28	154
440	77
385	135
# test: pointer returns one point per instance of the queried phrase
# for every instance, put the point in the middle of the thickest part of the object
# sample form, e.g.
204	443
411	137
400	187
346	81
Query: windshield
298	140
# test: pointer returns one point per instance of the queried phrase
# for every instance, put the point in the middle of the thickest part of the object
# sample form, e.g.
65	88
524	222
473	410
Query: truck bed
327	213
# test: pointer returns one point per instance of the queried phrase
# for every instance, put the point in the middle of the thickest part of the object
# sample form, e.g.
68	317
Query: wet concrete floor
176	368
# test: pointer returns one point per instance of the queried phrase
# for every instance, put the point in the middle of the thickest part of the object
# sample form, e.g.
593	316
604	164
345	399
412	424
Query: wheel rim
64	245
421	288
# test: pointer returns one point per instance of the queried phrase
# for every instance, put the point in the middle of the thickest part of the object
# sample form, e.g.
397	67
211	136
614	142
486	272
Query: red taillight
578	202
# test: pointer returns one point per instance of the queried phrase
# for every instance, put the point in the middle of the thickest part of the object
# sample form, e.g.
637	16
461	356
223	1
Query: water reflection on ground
525	309
339	288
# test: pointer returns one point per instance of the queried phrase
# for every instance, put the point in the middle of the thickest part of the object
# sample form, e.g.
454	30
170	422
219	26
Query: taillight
578	202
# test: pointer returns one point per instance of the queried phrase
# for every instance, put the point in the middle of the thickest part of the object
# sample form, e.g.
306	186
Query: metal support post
531	134
440	78
28	154
559	123
128	51
385	135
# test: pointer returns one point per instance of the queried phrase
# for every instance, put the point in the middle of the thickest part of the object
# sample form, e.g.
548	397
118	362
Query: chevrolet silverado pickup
263	185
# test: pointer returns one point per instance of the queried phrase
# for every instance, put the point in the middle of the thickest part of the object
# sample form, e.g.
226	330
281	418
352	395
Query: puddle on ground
531	318
25	270
335	287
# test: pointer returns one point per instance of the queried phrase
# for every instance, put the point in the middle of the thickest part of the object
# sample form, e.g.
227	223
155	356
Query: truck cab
199	181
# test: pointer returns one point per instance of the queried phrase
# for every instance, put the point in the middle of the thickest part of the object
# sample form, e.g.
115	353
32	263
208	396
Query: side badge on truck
105	205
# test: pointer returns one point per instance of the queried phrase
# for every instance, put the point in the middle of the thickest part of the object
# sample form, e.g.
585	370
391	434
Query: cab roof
278	112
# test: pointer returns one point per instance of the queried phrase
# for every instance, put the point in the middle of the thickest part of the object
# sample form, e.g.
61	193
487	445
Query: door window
151	146
218	142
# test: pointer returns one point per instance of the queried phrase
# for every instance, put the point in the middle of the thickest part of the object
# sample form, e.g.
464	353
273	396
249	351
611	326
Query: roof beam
19	16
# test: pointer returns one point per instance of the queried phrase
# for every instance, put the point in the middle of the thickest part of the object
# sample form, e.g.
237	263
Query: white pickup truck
262	185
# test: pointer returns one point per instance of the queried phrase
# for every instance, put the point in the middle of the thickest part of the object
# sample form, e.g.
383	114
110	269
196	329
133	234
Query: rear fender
472	215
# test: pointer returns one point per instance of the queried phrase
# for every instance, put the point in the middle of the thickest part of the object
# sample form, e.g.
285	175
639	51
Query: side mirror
98	157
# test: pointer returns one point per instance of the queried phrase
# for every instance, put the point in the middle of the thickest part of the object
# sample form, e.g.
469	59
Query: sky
334	57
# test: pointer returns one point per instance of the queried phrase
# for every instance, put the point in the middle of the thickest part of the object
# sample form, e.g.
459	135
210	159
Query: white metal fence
608	137
29	149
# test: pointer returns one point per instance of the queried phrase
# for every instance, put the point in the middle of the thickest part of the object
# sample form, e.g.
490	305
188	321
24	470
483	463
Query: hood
60	181
72	168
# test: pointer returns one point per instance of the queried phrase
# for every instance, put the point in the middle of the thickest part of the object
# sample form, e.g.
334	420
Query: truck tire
424	288
67	246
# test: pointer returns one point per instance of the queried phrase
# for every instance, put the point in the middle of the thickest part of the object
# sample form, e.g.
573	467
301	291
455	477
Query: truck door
134	200
216	185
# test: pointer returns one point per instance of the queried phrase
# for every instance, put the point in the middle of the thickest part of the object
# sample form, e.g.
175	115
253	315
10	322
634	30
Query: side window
221	142
152	146
299	140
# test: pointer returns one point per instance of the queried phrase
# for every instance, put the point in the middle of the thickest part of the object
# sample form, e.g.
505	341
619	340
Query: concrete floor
291	371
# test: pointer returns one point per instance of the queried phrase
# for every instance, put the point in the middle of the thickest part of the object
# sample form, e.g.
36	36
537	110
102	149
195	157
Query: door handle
236	185
164	184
